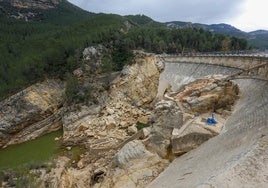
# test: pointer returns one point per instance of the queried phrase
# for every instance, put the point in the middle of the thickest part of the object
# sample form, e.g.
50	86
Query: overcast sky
247	15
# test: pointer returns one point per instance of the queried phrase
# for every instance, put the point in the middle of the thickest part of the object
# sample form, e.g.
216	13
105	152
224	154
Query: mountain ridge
37	11
258	38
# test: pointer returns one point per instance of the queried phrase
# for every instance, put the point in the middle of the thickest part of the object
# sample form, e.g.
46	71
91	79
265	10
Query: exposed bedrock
31	112
113	129
209	94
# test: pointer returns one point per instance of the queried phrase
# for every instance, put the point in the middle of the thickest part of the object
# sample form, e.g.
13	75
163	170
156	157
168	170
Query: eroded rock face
139	81
28	9
208	94
125	105
130	157
31	112
112	126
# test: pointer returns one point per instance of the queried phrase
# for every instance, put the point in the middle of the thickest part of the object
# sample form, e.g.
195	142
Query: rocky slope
31	112
151	113
118	151
107	130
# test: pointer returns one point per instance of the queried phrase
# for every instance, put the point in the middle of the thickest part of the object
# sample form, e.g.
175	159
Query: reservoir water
39	150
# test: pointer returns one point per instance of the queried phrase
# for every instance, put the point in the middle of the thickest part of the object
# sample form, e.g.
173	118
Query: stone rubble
104	133
132	133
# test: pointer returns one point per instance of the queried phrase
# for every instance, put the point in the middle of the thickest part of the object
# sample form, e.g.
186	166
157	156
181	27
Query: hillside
258	39
52	11
45	40
47	44
214	28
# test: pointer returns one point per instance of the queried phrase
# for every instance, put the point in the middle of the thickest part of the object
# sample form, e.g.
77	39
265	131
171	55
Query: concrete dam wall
177	74
250	66
238	157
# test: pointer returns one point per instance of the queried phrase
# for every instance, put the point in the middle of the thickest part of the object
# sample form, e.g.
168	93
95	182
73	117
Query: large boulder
135	167
132	150
93	52
192	134
165	117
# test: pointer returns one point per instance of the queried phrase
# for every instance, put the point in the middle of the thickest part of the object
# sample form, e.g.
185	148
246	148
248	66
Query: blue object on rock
211	120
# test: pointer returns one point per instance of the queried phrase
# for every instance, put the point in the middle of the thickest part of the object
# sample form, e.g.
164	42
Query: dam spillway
238	156
178	74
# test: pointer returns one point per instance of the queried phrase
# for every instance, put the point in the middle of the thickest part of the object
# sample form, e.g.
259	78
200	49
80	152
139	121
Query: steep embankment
31	113
235	158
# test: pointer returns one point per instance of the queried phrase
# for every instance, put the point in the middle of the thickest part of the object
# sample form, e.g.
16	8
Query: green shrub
72	88
141	125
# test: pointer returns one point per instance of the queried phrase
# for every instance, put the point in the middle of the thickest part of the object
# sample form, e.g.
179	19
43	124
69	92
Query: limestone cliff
111	124
31	112
129	95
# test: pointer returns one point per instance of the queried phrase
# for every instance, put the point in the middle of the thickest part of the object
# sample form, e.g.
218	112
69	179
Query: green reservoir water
36	151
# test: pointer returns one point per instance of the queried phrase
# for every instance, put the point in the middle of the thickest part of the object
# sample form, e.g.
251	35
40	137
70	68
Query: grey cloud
203	11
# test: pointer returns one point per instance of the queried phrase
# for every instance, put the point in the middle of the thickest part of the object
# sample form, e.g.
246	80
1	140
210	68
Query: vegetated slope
214	28
38	43
48	44
258	39
143	20
52	11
